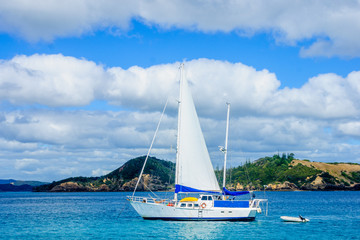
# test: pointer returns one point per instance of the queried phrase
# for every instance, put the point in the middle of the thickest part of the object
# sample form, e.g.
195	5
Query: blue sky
82	83
146	45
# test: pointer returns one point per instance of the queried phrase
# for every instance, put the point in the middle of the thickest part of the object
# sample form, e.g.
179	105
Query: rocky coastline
288	186
129	187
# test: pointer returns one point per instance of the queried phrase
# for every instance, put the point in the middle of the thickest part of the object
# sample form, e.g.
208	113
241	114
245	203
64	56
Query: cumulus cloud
57	81
61	81
83	129
26	163
151	86
52	80
316	121
332	26
323	96
40	20
85	142
98	142
351	128
99	172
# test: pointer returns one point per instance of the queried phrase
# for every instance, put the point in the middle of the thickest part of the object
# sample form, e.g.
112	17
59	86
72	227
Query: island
276	173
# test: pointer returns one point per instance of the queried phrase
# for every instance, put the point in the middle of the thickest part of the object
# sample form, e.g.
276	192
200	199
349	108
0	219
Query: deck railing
151	200
260	204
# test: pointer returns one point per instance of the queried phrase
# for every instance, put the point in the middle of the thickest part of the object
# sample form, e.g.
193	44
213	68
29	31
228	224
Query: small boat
294	219
195	175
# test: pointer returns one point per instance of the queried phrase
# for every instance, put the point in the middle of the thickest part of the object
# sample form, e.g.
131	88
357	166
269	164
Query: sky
83	83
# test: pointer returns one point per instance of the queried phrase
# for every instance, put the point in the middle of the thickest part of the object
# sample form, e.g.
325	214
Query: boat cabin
205	201
188	205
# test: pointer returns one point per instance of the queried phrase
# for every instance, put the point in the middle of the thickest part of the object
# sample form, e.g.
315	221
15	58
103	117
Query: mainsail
194	170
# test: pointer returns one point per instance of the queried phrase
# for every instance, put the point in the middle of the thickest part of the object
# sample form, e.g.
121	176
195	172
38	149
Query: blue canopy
181	188
231	193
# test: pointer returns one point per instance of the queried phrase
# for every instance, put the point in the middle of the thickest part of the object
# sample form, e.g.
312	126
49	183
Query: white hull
294	219
164	212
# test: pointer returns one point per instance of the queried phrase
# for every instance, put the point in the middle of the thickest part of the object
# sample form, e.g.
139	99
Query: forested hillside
286	172
158	175
271	173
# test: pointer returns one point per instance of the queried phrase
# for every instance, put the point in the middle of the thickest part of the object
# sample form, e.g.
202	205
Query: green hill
272	173
287	173
158	175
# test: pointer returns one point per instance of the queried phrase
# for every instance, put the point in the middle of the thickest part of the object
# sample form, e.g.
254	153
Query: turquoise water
26	215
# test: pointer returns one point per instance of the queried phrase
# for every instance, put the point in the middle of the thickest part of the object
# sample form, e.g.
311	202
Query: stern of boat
259	206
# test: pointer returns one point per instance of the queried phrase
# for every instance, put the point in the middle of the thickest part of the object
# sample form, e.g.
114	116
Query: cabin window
204	198
230	211
196	205
209	198
183	205
222	212
190	205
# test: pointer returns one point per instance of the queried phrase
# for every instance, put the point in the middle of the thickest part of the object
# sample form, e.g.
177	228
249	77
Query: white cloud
323	96
38	20
100	172
56	80
216	82
52	80
351	128
317	121
83	129
333	26
139	87
60	81
26	163
13	145
102	139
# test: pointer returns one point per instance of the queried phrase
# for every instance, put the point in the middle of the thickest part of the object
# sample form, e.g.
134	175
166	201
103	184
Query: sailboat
195	175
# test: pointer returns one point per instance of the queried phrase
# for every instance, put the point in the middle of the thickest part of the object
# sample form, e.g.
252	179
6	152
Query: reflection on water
197	230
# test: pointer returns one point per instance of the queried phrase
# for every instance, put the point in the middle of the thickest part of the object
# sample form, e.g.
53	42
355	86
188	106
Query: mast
178	133
226	143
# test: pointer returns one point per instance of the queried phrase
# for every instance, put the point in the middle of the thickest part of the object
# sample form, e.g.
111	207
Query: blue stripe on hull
245	219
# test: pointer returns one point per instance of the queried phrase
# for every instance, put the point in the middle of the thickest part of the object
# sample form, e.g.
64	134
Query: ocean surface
27	215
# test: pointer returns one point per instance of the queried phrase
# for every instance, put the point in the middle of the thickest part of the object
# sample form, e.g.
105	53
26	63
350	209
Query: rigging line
152	142
247	174
151	192
169	184
122	209
230	170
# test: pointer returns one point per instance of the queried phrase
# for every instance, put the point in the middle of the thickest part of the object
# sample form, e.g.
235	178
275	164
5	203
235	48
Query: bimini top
181	188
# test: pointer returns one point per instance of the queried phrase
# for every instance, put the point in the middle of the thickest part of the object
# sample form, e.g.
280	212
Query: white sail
194	168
